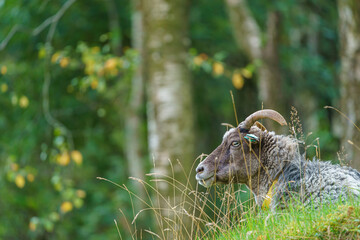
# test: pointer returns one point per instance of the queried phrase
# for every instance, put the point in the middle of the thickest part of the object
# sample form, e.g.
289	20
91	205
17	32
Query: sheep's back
315	182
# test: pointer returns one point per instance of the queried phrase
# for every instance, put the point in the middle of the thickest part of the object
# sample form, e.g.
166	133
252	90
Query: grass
222	212
333	221
197	214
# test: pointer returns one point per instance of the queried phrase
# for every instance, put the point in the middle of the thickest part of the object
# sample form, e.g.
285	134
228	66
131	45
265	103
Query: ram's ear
251	138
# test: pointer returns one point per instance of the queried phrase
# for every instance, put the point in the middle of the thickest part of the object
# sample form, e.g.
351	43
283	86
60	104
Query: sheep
273	169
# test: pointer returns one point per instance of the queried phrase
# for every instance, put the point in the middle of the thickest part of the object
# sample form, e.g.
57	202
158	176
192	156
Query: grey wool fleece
303	181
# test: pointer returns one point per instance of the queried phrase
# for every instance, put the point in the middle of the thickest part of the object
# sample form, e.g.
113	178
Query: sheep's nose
199	169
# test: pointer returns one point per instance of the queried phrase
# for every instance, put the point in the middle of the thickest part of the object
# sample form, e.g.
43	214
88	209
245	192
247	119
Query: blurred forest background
116	88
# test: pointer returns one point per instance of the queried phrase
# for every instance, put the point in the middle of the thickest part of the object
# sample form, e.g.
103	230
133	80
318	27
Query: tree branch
12	32
53	19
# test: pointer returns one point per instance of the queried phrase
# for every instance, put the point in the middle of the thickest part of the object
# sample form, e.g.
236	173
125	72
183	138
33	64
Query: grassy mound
338	221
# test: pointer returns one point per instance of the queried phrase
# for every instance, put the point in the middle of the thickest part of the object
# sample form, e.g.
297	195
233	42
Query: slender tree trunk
170	116
270	81
135	117
349	32
305	100
248	38
114	26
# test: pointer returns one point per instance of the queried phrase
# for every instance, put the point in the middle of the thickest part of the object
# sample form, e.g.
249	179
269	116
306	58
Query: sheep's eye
235	144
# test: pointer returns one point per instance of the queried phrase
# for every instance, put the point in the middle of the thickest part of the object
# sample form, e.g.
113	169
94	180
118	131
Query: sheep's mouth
206	182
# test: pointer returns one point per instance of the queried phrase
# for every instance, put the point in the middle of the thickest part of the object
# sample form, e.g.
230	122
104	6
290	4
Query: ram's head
236	159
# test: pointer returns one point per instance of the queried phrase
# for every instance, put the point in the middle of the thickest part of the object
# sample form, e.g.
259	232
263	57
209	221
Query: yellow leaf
95	50
113	72
246	73
54	216
110	66
204	56
23	102
3	70
20	181
77	157
64	62
66	207
101	72
70	89
89	67
198	60
32	226
58	187
110	63
42	53
14	100
78	202
218	68
14	167
237	80
4	87
30	177
55	57
94	83
80	193
63	159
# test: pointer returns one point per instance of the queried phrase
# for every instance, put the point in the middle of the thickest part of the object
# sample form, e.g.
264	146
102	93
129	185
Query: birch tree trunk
247	35
169	105
134	117
349	32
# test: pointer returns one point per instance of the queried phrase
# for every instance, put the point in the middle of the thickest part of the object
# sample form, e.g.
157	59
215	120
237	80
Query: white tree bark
134	117
169	105
349	32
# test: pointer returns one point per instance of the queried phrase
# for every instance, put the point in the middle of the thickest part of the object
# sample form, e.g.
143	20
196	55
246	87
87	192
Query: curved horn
265	113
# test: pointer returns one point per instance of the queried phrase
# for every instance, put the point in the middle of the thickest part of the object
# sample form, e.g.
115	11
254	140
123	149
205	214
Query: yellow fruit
66	207
3	70
218	68
63	159
237	80
80	193
77	157
64	62
30	177
23	102
20	181
4	87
